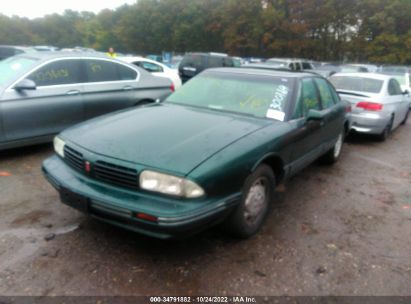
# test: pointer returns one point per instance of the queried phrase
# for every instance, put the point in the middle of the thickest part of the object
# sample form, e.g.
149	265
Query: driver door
54	105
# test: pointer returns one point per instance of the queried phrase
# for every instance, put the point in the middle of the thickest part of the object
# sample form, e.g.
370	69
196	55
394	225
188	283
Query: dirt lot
341	230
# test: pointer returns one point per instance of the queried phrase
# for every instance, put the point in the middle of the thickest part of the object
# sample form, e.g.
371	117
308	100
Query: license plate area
74	200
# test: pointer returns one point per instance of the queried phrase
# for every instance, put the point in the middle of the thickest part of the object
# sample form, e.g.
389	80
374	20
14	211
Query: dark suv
7	51
194	63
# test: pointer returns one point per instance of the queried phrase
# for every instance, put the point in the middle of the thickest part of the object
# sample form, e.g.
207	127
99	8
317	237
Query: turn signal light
147	217
369	106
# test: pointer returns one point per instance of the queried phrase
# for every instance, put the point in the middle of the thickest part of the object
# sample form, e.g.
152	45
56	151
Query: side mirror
406	92
315	115
25	84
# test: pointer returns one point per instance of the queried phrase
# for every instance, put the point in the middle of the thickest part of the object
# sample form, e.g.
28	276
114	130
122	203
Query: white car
155	68
378	103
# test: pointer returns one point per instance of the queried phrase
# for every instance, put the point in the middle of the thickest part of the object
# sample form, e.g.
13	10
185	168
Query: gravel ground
340	230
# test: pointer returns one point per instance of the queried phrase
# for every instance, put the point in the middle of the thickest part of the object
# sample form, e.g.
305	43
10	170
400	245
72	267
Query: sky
40	8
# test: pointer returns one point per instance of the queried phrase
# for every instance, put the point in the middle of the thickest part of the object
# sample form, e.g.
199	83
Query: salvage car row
212	152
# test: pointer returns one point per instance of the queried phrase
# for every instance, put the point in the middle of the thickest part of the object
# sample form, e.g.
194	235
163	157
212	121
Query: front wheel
334	153
250	214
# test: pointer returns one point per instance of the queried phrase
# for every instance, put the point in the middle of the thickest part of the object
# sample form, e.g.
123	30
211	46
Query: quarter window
126	73
325	93
57	73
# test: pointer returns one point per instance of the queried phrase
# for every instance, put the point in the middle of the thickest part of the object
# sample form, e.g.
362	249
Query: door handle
73	92
128	88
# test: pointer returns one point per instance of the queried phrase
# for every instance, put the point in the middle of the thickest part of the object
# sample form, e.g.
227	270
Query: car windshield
357	84
14	66
349	69
401	78
257	95
193	60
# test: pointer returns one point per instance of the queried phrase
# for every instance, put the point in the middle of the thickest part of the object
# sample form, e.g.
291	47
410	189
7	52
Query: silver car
43	93
377	101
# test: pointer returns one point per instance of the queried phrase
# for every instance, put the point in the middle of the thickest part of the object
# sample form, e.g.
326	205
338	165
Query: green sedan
212	152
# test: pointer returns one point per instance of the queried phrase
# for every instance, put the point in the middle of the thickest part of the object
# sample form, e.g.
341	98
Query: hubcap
255	201
338	146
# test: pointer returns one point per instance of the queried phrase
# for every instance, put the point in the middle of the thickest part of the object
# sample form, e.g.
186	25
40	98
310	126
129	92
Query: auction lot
340	230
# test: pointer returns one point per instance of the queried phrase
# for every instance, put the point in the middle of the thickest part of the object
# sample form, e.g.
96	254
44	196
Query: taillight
172	88
369	106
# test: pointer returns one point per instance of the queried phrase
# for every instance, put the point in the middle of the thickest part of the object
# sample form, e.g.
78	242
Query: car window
306	66
327	99
125	73
193	60
6	52
214	61
298	111
336	97
104	70
229	62
298	66
394	88
357	84
150	67
13	67
309	96
57	73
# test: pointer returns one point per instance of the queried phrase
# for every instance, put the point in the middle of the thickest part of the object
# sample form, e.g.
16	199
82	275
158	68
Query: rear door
110	86
55	104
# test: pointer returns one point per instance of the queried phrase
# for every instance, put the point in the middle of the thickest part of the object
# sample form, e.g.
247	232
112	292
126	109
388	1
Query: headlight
168	184
59	146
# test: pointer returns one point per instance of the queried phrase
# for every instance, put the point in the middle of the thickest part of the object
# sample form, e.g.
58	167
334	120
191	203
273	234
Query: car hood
168	137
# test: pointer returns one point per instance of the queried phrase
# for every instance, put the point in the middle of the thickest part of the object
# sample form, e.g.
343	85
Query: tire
249	215
406	118
387	131
334	153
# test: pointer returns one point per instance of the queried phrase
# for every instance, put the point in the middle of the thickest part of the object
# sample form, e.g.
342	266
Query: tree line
328	30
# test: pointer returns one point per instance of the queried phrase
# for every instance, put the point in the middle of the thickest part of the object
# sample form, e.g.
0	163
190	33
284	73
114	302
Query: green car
212	152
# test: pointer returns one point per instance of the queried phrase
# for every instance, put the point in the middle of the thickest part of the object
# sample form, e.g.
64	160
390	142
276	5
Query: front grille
73	158
114	174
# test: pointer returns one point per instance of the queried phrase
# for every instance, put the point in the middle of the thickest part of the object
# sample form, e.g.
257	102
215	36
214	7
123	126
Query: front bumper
119	206
370	123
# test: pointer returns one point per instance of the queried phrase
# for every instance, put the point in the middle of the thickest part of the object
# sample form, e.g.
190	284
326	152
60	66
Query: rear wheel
250	214
334	153
406	118
384	135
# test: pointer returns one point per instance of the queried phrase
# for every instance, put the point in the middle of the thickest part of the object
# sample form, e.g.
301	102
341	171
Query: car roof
264	72
208	54
364	75
62	54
